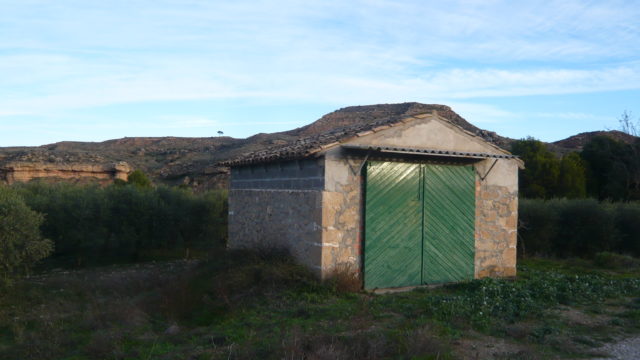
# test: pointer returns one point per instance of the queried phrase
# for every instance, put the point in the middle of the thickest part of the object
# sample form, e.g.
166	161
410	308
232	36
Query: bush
21	244
628	224
615	261
537	226
585	228
126	223
578	228
139	179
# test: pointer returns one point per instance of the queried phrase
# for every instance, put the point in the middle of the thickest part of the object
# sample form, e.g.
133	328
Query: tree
542	168
627	125
21	244
139	179
572	180
220	133
613	168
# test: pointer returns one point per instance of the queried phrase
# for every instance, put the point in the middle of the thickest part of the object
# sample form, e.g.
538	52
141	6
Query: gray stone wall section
304	174
284	219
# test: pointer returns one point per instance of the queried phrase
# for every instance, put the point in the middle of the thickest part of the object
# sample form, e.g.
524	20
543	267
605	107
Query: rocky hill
191	161
576	142
368	113
167	160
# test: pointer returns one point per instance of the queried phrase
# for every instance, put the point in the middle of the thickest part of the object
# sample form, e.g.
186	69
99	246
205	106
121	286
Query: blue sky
90	70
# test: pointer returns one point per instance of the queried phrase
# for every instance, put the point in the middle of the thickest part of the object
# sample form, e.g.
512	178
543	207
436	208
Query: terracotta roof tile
309	145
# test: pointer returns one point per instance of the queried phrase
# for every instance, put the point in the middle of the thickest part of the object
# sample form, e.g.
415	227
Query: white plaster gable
429	132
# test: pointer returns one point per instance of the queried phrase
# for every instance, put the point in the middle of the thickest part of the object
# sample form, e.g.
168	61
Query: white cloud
197	80
60	56
483	114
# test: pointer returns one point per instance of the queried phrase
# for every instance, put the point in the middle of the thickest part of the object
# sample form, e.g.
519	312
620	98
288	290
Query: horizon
92	72
242	138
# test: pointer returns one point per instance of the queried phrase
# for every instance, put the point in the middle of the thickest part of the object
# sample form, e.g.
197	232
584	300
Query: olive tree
21	244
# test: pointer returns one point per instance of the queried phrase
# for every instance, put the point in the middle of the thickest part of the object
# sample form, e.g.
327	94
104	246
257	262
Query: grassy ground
248	306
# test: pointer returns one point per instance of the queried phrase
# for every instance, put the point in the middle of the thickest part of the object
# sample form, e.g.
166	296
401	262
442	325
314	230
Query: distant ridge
576	142
190	161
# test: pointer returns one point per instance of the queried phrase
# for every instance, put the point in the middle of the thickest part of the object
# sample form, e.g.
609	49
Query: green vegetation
578	228
614	169
248	306
547	176
605	169
139	179
21	244
98	225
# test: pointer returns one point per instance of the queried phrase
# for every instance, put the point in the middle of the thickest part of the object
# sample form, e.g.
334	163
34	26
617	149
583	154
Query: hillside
168	160
191	161
576	142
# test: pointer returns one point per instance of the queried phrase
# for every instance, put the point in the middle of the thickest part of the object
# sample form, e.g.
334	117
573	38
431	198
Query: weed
611	260
345	278
247	305
423	343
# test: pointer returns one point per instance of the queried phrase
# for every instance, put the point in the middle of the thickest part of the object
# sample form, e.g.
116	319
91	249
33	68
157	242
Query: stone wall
341	215
496	220
279	205
283	219
495	226
322	225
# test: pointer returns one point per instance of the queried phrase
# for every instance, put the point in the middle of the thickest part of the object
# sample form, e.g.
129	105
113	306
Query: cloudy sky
92	70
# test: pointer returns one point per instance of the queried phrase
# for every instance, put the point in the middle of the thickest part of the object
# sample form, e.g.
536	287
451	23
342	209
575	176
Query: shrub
627	217
615	261
21	244
91	224
139	179
537	226
585	228
345	278
578	228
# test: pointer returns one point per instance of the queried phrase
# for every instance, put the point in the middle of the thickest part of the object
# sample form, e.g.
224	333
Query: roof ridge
315	143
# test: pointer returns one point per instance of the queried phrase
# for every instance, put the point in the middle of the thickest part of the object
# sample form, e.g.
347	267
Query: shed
401	200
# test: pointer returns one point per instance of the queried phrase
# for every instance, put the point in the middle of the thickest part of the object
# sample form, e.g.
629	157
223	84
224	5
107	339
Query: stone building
402	200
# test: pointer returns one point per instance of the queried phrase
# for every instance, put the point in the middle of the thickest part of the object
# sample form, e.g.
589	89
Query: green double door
419	224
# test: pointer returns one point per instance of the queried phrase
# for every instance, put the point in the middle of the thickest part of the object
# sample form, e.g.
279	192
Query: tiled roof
307	146
434	152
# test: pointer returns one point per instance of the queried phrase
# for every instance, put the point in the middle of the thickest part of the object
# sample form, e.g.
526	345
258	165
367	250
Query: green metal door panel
393	225
449	223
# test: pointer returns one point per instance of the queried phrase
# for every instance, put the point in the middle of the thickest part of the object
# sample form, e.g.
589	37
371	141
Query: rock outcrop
25	171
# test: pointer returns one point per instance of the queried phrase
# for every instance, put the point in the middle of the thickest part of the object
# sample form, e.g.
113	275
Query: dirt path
627	349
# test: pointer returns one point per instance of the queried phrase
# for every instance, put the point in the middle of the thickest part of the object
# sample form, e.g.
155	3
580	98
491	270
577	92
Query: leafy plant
578	227
91	224
21	244
139	179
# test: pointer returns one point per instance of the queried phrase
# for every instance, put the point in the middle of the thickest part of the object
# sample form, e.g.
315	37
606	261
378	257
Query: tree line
578	227
583	203
82	225
605	169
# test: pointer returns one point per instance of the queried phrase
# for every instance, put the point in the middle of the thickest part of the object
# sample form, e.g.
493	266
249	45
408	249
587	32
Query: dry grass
345	278
264	306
